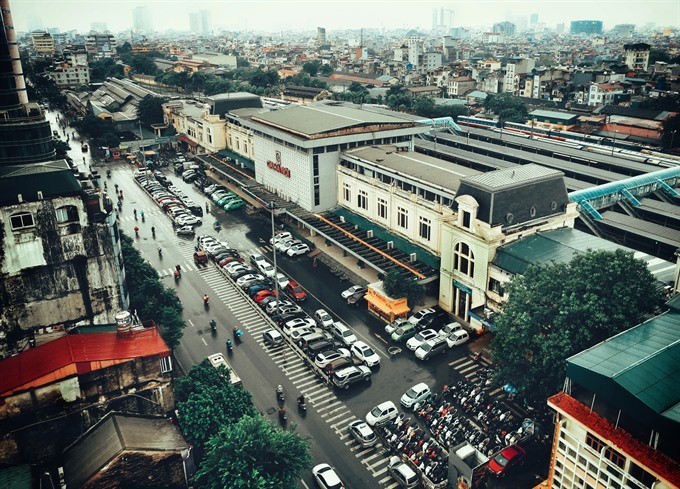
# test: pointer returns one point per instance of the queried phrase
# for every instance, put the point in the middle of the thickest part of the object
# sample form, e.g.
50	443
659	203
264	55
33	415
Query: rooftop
312	121
511	177
52	178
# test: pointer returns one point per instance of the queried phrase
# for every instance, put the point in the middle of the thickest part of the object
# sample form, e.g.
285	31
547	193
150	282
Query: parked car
431	348
403	473
415	318
323	318
420	338
362	433
352	290
365	354
457	338
282	280
256	259
267	269
343	333
185	231
263	294
281	319
382	413
248	280
404	332
294	290
326	478
415	394
271	308
506	459
326	357
272	337
434	321
297	250
450	328
350	375
297	323
280	237
392	327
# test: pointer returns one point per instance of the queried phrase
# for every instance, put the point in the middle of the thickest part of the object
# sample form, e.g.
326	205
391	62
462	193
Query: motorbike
238	332
217	226
230	346
280	396
302	404
282	415
213	326
108	173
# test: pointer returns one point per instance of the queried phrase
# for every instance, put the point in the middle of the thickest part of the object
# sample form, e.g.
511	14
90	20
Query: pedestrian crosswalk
320	397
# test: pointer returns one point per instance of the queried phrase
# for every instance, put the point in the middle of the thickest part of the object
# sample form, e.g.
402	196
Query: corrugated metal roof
512	176
46	363
316	119
645	228
560	246
644	361
52	178
553	114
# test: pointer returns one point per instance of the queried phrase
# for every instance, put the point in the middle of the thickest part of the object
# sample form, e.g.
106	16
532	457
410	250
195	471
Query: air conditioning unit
369	233
20	198
390	245
412	257
40	195
342	219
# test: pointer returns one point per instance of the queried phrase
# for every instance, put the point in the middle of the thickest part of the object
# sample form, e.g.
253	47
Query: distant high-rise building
586	27
43	43
206	26
559	29
533	20
623	30
141	20
98	26
442	18
504	28
415	50
195	22
320	36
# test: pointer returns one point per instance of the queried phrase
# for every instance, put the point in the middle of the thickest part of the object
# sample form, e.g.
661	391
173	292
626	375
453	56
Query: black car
434	321
226	254
242	273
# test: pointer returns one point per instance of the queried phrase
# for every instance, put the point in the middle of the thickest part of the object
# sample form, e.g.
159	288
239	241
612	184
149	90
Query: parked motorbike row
464	413
425	454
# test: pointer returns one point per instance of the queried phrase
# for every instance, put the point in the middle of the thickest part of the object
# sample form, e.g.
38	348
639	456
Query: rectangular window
466	219
347	192
317	195
594	443
402	217
425	228
382	208
495	286
68	213
166	365
362	200
315	165
237	145
615	457
22	221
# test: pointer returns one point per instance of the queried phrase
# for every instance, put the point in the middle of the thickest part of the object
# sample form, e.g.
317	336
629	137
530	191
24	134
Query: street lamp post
672	137
276	270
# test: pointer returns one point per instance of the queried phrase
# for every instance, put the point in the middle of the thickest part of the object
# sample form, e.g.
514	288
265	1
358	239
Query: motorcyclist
279	391
213	325
229	345
282	414
301	400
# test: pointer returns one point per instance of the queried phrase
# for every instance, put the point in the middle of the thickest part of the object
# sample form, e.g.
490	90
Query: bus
218	359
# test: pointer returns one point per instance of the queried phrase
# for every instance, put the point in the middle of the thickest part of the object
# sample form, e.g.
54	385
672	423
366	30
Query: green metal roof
52	178
560	246
637	370
18	477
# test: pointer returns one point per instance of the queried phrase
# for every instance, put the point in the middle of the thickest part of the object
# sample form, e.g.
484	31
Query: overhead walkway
446	123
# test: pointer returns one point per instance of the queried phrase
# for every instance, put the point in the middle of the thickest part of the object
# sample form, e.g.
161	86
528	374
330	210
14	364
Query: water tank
123	322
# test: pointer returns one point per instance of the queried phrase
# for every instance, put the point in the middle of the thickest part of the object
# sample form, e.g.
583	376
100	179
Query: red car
506	459
230	259
294	290
261	295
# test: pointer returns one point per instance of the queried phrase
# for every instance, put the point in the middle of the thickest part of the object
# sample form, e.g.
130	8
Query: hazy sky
278	15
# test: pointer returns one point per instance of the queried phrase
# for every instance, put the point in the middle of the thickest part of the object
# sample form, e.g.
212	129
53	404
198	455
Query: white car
323	318
392	327
256	259
280	237
286	245
365	353
272	306
297	250
326	357
298	323
239	268
326	478
278	244
450	328
420	315
282	280
343	333
457	338
382	413
246	279
354	289
420	338
415	394
189	219
267	269
229	267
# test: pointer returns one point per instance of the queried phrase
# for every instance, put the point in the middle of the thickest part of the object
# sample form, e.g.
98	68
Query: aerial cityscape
340	244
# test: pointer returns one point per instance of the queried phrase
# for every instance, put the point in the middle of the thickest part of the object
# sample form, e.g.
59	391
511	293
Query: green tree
397	286
126	47
254	454
150	110
105	68
507	107
312	67
207	400
398	98
326	70
559	309
149	297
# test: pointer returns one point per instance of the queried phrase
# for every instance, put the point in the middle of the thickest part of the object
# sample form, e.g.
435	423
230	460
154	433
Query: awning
235	156
397	309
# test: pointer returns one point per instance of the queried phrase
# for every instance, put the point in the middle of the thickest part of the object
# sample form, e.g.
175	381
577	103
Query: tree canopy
254	454
150	110
507	107
207	400
397	286
559	309
105	68
312	67
148	297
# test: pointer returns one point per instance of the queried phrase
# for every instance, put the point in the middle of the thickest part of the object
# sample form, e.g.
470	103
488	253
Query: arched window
67	213
464	260
22	220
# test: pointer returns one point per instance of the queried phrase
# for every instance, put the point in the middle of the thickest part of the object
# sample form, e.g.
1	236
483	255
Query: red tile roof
661	465
76	354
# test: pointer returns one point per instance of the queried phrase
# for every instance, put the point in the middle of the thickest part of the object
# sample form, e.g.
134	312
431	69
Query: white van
217	360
